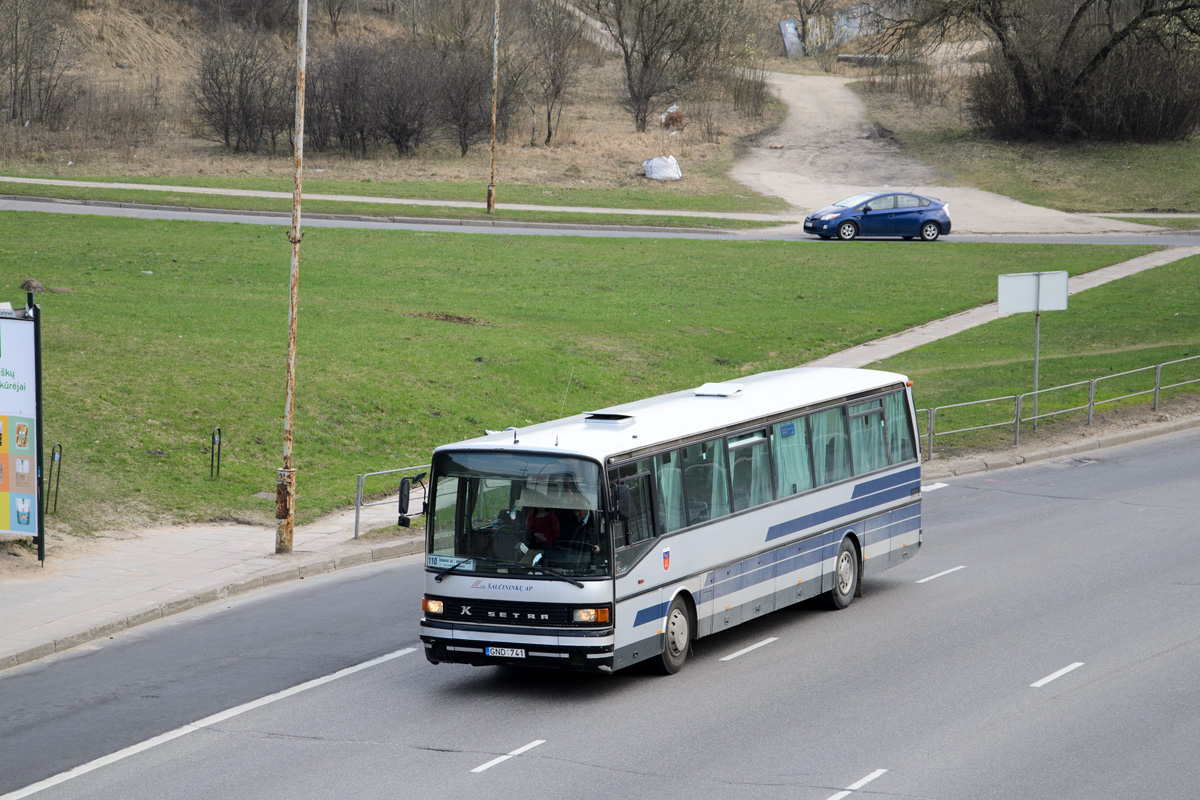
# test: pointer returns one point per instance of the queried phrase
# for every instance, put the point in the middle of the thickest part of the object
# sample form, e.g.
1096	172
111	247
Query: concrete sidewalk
163	571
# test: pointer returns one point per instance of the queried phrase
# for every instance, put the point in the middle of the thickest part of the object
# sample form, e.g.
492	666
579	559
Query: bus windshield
512	513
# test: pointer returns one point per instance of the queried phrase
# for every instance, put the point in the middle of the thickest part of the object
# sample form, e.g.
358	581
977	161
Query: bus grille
492	612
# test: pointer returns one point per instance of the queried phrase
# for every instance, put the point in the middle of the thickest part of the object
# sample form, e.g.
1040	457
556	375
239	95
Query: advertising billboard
19	447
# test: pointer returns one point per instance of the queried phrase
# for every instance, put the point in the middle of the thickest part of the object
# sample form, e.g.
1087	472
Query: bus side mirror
406	485
405	492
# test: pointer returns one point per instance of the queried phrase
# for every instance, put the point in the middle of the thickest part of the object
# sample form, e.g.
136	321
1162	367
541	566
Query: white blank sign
1033	291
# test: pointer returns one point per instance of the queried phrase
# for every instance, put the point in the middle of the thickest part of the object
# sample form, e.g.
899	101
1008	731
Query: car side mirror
866	208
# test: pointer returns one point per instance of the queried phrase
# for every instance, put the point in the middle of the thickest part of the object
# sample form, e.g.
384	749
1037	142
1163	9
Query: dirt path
826	150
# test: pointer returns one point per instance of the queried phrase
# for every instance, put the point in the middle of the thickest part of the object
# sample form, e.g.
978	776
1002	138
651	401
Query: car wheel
847	231
930	231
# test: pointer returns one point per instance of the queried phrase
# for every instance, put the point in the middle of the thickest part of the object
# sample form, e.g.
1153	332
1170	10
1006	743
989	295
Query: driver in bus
583	529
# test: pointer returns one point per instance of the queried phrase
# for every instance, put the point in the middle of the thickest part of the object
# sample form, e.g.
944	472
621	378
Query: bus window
669	470
793	462
899	428
705	481
637	532
750	470
868	439
830	446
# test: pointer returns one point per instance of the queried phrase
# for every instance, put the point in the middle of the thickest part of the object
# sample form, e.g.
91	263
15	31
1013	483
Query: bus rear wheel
845	576
677	637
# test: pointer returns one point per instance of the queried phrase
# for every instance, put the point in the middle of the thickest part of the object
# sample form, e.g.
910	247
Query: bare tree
556	32
334	10
665	44
1053	66
241	92
35	51
403	95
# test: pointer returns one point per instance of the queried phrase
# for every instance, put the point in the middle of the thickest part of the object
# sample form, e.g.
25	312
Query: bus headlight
432	606
593	615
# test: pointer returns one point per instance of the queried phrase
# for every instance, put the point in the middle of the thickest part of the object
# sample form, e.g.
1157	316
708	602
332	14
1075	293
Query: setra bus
617	536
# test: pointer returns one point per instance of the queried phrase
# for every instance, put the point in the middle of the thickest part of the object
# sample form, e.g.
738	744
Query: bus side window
831	446
793	461
899	428
868	439
635	533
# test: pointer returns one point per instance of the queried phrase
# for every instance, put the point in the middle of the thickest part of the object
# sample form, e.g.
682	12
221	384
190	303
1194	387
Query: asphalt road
1043	645
1165	239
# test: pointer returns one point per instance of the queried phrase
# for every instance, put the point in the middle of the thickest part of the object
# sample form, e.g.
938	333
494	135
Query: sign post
1037	292
21	424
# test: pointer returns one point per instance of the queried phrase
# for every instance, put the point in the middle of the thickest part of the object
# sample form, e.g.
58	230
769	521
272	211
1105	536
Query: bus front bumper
454	643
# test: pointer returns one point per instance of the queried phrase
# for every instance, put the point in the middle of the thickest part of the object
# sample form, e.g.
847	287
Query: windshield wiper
544	570
449	569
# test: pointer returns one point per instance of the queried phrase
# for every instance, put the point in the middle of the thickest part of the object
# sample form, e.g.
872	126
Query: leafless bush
243	94
121	113
403	95
35	56
748	88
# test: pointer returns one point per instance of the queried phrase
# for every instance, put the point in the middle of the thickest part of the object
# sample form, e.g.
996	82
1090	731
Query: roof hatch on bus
613	418
719	390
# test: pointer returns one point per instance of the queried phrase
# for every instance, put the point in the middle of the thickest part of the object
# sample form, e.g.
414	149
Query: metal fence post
1091	399
1157	383
357	504
1017	423
932	417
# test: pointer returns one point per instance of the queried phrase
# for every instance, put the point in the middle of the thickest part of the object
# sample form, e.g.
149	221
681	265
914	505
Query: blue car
881	214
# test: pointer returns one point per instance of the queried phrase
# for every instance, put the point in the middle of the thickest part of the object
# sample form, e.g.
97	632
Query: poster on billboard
19	446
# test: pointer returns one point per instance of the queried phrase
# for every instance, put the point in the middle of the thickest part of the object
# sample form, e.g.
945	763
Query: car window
885	202
856	200
907	201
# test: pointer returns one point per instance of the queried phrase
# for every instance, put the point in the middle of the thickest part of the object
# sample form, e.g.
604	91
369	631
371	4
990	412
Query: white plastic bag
662	168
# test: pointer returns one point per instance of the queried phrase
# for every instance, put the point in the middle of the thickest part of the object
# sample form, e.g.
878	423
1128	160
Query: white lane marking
854	787
1056	675
931	486
141	747
745	650
940	574
504	758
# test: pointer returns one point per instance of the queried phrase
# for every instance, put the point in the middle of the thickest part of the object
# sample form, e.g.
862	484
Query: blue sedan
881	214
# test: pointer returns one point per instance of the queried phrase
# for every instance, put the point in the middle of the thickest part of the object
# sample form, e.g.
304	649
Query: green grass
383	211
163	330
645	194
1095	177
1143	320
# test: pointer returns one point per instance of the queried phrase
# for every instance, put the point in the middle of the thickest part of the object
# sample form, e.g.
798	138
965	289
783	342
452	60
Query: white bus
618	536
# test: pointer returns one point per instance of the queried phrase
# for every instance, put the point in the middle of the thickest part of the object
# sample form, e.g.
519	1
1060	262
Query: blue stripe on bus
853	506
657	611
788	559
887	482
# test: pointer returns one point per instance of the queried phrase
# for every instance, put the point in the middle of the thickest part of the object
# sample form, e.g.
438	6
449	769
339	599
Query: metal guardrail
359	505
1015	418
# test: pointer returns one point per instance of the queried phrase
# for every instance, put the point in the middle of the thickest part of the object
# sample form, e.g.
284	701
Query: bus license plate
505	652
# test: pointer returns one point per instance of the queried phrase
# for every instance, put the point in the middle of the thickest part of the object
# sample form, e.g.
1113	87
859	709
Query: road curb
283	574
992	463
284	216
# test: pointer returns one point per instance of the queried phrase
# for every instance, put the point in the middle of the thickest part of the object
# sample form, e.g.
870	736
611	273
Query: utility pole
491	194
285	489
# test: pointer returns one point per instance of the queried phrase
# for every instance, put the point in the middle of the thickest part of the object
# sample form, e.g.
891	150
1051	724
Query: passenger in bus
542	526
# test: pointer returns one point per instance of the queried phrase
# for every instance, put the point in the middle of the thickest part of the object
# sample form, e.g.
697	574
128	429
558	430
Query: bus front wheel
677	637
845	576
